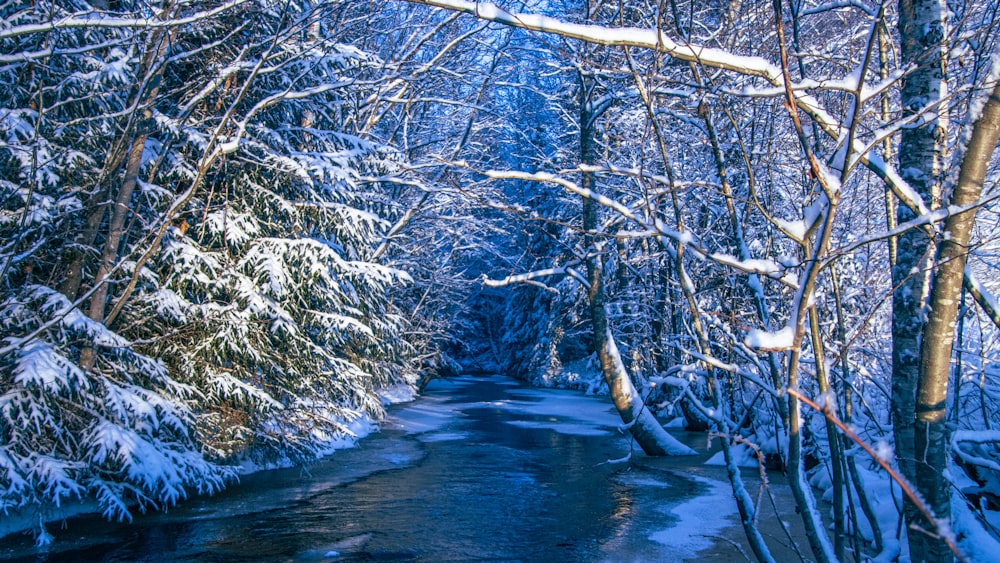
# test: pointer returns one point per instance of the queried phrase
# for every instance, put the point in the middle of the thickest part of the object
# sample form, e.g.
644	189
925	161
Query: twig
944	532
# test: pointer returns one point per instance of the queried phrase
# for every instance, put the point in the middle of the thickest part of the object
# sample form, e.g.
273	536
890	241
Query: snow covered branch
532	276
98	20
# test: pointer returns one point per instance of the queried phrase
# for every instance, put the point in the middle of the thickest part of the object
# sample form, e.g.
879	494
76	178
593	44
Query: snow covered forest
231	231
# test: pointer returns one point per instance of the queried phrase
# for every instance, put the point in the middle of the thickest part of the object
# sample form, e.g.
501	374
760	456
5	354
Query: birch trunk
921	153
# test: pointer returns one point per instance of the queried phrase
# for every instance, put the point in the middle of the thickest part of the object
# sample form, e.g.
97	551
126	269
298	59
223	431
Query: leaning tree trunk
921	153
647	431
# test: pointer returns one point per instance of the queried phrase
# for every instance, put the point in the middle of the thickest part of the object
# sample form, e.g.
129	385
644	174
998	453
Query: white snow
428	416
743	456
884	451
397	394
676	422
570	412
326	445
988	297
431	414
975	541
977	436
570	428
764	340
700	520
795	228
756	266
642	481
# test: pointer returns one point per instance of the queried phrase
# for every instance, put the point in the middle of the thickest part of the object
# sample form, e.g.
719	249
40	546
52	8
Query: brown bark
116	227
144	97
76	256
813	250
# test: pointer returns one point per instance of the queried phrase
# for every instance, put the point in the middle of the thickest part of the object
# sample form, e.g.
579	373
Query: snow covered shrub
120	434
276	340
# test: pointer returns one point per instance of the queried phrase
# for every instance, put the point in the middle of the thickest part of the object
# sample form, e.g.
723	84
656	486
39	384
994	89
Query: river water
478	469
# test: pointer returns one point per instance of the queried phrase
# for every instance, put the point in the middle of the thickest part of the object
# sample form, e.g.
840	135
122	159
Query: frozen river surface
478	469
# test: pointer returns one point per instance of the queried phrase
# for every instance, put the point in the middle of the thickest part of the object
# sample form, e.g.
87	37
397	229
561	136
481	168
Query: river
477	469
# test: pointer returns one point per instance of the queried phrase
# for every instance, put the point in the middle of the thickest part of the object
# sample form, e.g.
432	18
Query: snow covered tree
82	413
194	207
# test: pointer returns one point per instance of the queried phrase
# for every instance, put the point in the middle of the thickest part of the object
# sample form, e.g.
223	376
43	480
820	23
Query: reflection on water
490	478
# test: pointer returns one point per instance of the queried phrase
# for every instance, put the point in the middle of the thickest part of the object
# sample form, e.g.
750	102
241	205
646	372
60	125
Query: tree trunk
75	257
647	431
939	332
921	153
145	95
116	227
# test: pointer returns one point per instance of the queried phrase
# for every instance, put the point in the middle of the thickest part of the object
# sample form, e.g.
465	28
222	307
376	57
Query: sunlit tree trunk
151	70
646	430
76	257
939	333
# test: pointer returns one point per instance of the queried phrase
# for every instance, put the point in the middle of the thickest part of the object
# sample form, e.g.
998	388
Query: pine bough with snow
224	308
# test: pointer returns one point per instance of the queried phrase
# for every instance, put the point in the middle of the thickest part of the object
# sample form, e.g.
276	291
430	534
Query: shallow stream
478	469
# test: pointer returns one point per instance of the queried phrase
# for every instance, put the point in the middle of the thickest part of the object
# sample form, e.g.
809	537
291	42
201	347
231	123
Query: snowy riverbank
37	519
